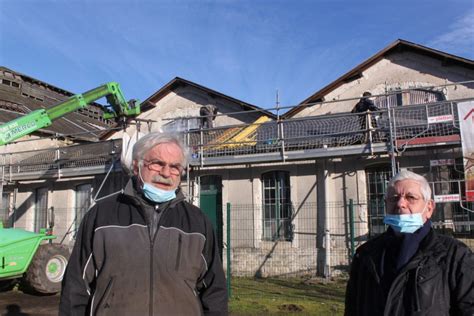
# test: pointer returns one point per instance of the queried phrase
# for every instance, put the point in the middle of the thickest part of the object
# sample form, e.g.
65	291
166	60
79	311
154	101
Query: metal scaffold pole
392	139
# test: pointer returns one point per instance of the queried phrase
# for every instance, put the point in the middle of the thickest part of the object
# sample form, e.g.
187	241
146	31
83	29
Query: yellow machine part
246	137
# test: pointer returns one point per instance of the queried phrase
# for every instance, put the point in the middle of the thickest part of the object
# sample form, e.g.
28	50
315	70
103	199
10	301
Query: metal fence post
351	227
229	291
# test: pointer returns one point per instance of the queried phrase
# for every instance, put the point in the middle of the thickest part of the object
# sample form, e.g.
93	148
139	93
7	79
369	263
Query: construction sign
466	120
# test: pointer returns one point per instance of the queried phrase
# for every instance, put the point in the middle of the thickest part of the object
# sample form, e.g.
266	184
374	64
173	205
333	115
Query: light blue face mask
156	194
404	223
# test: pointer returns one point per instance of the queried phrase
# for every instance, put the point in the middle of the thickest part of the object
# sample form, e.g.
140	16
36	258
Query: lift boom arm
35	120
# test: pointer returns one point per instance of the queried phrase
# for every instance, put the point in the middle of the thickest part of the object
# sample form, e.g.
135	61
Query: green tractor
24	255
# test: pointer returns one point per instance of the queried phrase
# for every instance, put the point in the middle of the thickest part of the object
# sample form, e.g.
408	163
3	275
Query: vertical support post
188	180
327	246
282	140
201	147
351	227
368	124
393	139
10	168
15	193
229	290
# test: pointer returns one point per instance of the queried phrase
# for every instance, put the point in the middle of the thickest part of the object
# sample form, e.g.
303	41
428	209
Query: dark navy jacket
437	280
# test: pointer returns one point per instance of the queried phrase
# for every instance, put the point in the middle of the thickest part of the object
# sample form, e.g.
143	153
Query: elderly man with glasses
146	251
410	269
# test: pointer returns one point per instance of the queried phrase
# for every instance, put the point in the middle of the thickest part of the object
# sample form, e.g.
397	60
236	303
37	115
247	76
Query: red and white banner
466	120
447	198
440	118
441	162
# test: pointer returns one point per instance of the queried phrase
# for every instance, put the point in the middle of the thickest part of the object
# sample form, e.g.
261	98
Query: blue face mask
156	194
404	223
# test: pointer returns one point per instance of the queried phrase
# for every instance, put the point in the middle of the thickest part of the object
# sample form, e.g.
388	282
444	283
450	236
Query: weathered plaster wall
397	71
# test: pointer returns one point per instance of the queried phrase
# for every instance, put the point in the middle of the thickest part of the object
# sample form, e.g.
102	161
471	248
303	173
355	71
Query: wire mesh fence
269	242
316	240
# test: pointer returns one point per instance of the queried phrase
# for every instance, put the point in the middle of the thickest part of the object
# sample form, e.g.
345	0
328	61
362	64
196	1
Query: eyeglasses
158	165
410	198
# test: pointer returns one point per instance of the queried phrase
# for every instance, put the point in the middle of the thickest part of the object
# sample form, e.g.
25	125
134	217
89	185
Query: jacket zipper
178	258
402	273
417	298
152	242
151	277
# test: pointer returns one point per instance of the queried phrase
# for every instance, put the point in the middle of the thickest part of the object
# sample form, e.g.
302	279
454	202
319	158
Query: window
377	180
178	125
5	209
277	208
26	95
416	96
83	201
449	179
41	209
10	83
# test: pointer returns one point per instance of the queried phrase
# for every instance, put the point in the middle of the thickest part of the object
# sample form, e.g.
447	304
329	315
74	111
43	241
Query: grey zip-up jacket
126	263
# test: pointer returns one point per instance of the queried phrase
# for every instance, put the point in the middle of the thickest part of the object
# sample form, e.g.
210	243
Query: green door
211	203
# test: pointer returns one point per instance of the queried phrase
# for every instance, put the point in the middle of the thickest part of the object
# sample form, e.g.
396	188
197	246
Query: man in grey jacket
146	251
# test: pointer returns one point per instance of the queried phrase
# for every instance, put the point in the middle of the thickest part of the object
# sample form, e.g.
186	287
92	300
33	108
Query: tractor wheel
46	270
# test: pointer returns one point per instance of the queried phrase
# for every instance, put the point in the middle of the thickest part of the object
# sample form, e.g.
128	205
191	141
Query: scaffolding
69	161
391	130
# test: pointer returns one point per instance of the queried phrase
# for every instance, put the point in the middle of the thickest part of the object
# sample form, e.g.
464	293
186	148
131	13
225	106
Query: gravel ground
18	303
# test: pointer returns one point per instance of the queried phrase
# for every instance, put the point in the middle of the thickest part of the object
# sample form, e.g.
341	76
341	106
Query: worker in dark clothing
411	269
208	114
364	105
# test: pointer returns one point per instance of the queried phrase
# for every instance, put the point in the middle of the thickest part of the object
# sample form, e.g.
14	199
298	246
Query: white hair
149	141
408	175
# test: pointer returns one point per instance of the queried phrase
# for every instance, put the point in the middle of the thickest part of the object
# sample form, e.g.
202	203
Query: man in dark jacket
208	115
410	269
146	251
364	105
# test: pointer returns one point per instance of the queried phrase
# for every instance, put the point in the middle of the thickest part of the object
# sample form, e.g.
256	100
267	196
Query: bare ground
17	303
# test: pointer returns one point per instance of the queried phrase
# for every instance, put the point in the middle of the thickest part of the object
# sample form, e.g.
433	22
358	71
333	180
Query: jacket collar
429	248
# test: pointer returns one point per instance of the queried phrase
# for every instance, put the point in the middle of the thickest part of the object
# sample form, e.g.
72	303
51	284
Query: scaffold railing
414	125
52	162
395	128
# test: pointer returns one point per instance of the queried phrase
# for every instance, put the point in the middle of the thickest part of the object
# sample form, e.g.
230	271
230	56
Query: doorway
210	198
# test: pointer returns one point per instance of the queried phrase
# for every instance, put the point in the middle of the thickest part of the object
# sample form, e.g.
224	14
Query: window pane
83	201
277	205
5	208
41	209
377	179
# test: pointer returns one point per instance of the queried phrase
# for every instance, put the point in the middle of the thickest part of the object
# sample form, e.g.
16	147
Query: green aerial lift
33	121
23	254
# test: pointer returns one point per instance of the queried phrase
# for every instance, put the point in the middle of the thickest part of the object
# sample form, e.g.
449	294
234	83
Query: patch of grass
292	296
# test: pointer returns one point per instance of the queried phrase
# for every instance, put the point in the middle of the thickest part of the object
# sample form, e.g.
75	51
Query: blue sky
245	49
